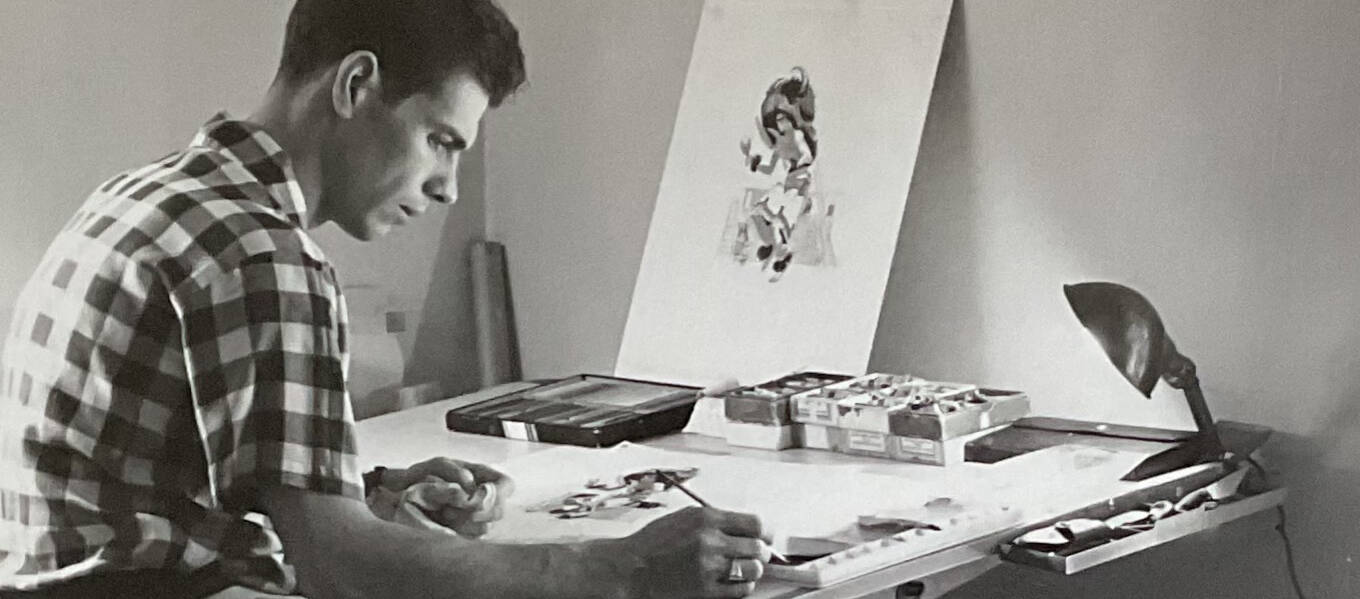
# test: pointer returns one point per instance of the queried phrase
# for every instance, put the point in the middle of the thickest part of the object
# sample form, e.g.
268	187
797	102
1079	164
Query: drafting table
404	437
401	438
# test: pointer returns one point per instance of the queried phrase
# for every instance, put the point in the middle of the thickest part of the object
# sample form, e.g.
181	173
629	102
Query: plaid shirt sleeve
265	350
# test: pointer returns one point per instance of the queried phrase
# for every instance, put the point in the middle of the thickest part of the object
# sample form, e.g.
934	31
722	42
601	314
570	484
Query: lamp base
1238	440
1197	450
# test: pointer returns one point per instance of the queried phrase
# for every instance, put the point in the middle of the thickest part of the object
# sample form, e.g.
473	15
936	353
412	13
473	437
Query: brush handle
683	489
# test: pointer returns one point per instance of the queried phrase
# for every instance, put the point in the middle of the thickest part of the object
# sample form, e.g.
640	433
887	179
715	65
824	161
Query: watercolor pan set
587	410
934	452
851	560
907	406
769	402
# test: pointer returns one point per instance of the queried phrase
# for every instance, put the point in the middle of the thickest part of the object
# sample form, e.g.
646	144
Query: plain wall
93	88
1203	153
574	163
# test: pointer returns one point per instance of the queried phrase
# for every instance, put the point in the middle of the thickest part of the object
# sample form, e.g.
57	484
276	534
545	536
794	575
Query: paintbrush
775	555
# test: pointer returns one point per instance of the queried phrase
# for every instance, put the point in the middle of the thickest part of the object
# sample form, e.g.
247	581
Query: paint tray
588	410
1082	554
909	406
769	402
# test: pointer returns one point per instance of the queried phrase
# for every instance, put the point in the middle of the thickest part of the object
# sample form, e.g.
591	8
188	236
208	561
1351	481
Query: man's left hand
462	496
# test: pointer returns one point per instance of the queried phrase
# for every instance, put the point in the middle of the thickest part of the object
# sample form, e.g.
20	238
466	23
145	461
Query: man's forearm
432	564
340	550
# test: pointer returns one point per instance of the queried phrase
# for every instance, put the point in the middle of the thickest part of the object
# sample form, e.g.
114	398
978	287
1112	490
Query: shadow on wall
1324	480
934	286
445	350
1283	351
410	303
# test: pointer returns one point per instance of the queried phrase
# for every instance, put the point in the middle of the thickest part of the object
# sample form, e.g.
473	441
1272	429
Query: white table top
400	438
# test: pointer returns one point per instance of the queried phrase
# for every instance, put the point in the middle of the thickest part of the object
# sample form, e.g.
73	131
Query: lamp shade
1127	327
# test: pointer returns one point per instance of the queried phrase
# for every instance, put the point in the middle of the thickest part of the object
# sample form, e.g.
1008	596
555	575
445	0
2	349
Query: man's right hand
690	553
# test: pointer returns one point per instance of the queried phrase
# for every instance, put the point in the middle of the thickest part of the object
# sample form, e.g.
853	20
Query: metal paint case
588	410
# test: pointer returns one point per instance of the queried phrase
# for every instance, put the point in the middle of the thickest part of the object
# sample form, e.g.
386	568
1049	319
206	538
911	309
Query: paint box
895	447
958	415
762	436
589	410
881	445
918	408
826	405
815	436
908	406
768	402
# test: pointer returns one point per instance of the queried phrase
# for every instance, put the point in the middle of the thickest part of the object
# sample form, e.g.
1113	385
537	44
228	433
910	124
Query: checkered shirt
180	347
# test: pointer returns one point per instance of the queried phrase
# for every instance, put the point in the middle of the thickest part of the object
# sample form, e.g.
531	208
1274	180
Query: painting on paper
621	498
783	190
779	219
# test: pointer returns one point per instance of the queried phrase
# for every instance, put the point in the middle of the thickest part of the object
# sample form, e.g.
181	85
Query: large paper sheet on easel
811	500
783	193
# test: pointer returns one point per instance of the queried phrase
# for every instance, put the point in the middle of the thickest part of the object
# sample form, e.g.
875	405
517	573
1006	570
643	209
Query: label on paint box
812	410
917	447
866	441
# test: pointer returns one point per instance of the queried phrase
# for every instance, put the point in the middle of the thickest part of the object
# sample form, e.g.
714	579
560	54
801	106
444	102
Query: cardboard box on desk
773	437
768	402
962	414
882	445
908	406
826	406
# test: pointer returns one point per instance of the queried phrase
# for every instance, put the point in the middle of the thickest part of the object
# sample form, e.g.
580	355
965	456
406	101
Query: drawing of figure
765	225
600	498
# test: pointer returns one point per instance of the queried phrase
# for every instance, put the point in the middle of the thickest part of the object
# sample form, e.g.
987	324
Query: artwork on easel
780	220
784	187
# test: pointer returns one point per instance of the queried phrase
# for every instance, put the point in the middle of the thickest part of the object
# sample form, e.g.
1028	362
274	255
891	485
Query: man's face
388	163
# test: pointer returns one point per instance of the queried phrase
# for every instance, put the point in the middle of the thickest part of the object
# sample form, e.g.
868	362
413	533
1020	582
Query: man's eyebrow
459	141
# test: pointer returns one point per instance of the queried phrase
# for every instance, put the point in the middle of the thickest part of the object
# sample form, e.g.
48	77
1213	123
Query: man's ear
357	82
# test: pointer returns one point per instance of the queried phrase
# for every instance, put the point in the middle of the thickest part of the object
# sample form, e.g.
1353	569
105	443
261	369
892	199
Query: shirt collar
261	156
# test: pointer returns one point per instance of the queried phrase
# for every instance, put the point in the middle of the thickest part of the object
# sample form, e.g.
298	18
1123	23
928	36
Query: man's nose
442	191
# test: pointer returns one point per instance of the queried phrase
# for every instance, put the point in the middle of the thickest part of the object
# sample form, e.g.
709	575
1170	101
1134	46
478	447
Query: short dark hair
419	43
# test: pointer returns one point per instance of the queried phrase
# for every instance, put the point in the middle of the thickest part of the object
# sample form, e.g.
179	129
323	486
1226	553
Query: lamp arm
1180	370
1180	374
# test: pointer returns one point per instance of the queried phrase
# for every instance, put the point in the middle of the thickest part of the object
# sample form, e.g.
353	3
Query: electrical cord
1284	534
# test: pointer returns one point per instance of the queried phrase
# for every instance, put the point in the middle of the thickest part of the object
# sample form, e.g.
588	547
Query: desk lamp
1128	328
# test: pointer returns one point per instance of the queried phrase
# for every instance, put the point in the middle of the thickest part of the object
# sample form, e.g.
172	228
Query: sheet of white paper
804	500
712	299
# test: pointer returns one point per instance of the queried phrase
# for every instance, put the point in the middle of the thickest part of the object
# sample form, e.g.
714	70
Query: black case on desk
589	410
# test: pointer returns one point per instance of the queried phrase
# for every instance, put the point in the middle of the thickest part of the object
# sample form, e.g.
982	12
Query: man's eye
444	143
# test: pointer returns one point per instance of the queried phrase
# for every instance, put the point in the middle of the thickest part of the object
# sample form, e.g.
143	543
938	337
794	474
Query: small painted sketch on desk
934	516
617	499
1091	459
943	505
866	529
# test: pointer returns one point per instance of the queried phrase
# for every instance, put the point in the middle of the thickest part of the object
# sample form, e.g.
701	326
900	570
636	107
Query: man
177	361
